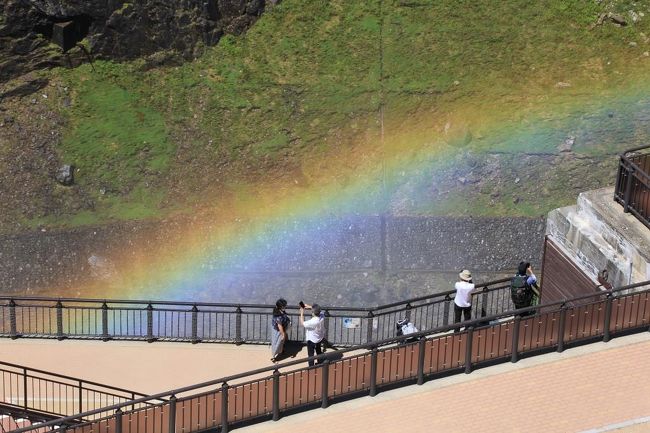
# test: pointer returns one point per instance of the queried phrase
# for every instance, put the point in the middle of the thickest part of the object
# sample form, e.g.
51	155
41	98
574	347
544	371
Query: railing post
25	388
445	312
13	332
608	317
515	339
628	189
276	395
238	316
371	317
327	326
325	371
195	324
59	321
560	331
172	414
150	338
118	420
468	350
373	372
421	348
224	407
105	336
80	397
484	300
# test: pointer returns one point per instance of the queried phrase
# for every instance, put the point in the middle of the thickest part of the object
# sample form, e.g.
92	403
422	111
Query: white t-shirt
315	329
463	296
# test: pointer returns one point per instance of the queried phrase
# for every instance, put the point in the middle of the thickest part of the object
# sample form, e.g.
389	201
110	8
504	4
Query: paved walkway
592	389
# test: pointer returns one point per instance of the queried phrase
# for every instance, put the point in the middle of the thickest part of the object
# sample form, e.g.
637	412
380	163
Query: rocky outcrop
42	33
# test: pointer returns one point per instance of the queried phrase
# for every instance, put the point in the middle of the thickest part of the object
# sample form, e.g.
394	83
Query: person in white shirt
463	298
314	330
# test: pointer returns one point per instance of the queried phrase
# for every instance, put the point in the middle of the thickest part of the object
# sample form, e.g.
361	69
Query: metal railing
29	390
633	183
268	393
36	317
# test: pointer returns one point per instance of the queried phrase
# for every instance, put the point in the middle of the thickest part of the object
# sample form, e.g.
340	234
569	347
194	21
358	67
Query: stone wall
357	260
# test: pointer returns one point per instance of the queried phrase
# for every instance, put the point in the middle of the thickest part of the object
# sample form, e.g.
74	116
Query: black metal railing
269	392
61	318
633	183
26	390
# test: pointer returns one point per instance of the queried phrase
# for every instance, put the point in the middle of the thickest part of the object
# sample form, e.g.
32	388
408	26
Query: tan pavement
592	389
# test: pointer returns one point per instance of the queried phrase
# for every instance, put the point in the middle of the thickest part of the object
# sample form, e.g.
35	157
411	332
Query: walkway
591	389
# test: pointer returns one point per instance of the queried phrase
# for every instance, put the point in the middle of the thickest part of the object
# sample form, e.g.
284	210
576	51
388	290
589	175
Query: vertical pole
80	388
484	301
325	371
238	337
195	324
150	338
371	317
59	321
224	407
422	348
515	339
172	414
407	314
373	372
445	314
276	395
327	329
105	336
608	317
25	388
118	420
468	350
12	320
560	331
628	189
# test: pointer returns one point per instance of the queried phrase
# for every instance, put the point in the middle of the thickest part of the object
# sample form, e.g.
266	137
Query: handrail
632	188
518	316
219	322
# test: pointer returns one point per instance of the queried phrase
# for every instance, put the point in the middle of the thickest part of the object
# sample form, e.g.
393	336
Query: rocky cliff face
41	33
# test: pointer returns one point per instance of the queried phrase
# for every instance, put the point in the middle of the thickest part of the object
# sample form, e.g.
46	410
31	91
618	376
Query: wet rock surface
363	260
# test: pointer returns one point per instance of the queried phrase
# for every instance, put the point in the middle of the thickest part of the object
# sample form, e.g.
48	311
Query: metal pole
59	321
80	396
421	348
371	317
608	318
172	414
118	420
12	320
238	337
560	336
276	395
325	369
105	336
224	407
195	324
150	338
468	350
628	190
408	311
373	372
445	313
25	388
515	339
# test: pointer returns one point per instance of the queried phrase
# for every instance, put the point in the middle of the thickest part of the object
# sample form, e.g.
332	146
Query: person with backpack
463	297
314	329
280	322
523	288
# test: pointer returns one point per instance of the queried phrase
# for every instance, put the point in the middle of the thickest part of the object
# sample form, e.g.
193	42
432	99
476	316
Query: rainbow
367	177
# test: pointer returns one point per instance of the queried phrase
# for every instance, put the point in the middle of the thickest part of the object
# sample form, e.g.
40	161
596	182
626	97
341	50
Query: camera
301	304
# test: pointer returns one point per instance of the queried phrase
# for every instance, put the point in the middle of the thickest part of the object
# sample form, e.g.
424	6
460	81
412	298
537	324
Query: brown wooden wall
561	277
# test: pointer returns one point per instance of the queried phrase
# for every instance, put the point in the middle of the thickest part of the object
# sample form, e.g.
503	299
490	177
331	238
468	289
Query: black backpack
520	291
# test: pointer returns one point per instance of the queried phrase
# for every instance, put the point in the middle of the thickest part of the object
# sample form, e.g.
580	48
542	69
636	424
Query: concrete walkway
592	389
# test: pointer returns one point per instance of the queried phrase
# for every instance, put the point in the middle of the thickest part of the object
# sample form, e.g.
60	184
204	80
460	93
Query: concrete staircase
598	235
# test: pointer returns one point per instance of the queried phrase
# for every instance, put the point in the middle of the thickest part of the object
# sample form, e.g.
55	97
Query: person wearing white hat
463	298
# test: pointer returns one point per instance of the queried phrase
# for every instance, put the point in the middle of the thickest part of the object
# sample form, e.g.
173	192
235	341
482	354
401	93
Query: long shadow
291	349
